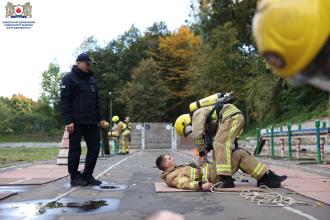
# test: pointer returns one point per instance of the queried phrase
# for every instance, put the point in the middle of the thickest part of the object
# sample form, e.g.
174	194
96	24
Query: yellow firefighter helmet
183	125
290	34
115	118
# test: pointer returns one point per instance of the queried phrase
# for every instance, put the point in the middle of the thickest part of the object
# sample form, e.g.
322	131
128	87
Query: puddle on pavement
13	189
110	187
45	209
105	186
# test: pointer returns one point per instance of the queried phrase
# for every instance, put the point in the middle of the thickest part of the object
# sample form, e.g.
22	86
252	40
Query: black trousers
91	134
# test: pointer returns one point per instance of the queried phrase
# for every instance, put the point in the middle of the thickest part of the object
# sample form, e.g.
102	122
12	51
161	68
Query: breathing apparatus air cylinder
211	100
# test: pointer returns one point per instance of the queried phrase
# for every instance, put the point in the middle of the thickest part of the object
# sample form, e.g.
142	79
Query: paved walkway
135	198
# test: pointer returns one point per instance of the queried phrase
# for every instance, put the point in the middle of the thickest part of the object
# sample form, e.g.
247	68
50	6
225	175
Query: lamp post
110	95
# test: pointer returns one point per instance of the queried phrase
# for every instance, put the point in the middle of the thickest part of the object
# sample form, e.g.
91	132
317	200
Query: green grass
11	156
55	136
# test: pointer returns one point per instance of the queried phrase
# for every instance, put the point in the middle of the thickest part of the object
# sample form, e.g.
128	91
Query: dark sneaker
277	178
78	181
266	180
227	182
91	181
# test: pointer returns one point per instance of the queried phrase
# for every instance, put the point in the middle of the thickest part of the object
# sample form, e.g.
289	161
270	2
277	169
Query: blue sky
60	27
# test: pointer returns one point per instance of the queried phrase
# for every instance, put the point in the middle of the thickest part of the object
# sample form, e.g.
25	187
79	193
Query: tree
21	104
50	84
89	44
146	95
6	118
174	58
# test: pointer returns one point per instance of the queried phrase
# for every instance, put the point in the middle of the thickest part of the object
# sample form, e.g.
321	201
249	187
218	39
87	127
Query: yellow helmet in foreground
183	125
115	118
290	33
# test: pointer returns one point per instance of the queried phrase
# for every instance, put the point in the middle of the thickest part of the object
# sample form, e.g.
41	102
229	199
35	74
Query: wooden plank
307	184
34	175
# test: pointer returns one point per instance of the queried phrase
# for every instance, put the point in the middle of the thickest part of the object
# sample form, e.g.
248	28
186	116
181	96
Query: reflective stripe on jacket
188	177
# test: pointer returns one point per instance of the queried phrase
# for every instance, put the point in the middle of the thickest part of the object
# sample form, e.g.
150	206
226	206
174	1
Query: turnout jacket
80	98
121	130
205	122
189	177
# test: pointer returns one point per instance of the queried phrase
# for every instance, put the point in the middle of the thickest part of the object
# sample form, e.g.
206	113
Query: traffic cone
196	153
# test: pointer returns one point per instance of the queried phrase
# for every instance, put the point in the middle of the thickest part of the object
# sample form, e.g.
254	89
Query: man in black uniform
81	113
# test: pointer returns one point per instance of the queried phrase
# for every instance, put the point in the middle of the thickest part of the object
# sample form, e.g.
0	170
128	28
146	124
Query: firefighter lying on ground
192	177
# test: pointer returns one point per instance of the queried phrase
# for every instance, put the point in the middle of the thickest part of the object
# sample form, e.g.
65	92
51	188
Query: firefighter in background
215	123
294	38
122	132
128	123
129	127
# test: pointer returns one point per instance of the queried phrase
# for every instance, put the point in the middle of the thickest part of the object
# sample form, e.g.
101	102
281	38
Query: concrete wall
157	136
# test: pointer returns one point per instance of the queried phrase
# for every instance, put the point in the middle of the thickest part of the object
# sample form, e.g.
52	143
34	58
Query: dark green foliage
146	96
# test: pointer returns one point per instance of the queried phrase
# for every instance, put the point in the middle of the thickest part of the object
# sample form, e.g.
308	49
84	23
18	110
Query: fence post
318	142
282	148
322	149
289	140
175	140
101	143
172	138
143	143
267	145
258	141
272	142
324	124
298	148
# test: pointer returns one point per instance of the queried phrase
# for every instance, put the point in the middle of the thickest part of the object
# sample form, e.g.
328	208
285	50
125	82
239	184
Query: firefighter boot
227	182
277	178
268	181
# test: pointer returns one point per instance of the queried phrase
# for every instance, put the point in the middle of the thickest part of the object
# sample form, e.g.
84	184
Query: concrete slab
325	166
161	187
6	195
311	185
34	175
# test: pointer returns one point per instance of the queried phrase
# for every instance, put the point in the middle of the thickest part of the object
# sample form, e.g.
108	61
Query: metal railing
268	138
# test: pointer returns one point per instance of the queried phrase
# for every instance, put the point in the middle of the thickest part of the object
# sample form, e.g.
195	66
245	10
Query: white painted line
298	212
98	176
123	160
64	194
14	166
19	181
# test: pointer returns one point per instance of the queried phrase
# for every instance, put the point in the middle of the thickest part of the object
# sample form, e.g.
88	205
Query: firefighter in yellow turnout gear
195	178
214	124
123	133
